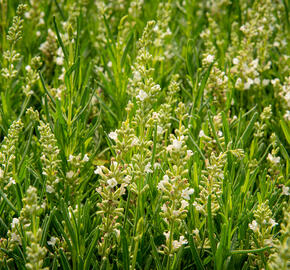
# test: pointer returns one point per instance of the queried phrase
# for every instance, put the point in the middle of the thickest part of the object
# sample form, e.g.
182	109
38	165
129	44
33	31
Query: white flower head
272	222
99	190
52	241
148	168
248	84
167	235
164	207
127	179
197	206
113	135
70	158
159	130
257	81
201	134
15	222
28	68
135	141
115	164
137	75
238	82
98	170
177	244
273	159
175	213
49	189
186	193
12	181
86	158
285	190
166	178
236	61
112	182
156	165
15	238
243	28
117	233
59	60
189	153
177	144
287	116
184	204
155	115
255	63
275	82
142	95
70	174
156	88
168	31
264	221
254	226
265	82
162	184
209	59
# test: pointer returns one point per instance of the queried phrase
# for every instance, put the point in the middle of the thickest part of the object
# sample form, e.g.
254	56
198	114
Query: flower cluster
174	186
113	183
163	32
250	56
282	91
261	126
262	227
35	15
14	34
49	157
28	224
49	48
76	164
281	258
156	137
8	152
31	75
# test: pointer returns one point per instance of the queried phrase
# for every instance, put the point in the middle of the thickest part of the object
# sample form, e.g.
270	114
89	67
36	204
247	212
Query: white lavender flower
254	226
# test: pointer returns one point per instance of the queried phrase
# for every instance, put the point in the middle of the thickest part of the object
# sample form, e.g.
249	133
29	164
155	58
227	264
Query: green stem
250	250
135	255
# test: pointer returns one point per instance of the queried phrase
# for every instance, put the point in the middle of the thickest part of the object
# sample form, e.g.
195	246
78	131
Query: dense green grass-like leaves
144	134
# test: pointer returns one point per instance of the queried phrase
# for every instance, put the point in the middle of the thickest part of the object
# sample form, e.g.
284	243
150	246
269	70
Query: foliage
144	134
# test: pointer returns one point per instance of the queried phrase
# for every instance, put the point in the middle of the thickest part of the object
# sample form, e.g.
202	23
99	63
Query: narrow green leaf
248	130
196	146
91	248
45	89
60	40
9	203
45	226
210	226
193	250
155	253
125	251
226	129
286	130
64	261
200	91
126	50
214	132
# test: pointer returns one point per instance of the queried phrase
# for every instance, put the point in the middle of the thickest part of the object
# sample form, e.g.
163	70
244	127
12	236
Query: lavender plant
144	134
